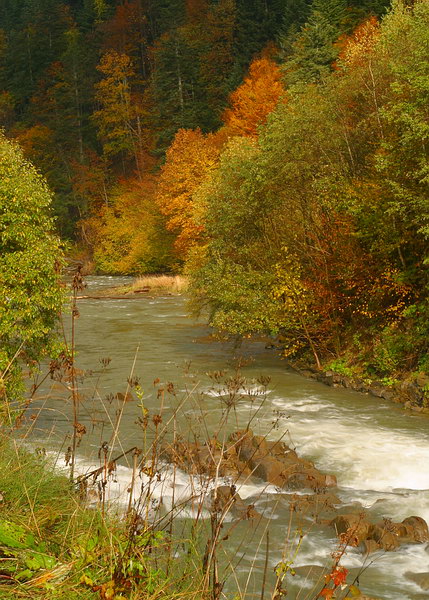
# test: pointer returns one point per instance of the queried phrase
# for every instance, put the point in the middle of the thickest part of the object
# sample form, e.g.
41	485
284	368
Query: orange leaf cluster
190	159
255	99
338	577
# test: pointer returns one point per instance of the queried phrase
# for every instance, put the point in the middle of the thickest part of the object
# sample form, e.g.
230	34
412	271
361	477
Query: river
379	453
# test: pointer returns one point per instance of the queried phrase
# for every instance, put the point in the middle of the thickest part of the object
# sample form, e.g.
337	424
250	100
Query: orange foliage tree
191	159
255	98
124	32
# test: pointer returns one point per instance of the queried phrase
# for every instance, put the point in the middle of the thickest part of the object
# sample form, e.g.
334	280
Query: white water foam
363	455
188	494
221	391
384	469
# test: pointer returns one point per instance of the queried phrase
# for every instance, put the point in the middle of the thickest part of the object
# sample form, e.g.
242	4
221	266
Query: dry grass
175	284
149	285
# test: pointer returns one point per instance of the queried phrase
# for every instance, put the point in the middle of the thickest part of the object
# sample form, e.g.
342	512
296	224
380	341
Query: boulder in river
386	535
276	463
245	455
322	505
225	498
353	526
416	530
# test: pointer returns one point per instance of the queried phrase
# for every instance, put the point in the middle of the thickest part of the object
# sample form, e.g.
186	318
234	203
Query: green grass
53	546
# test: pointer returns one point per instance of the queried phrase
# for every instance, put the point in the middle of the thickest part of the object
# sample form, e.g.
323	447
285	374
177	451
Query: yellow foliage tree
122	110
128	233
358	48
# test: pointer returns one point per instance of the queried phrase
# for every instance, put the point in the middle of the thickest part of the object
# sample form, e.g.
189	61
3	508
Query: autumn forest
274	151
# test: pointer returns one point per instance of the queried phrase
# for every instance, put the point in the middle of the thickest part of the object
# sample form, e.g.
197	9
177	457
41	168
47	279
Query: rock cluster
357	530
411	393
245	455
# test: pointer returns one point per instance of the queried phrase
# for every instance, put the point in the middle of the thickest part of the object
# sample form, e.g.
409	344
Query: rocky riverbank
412	392
245	456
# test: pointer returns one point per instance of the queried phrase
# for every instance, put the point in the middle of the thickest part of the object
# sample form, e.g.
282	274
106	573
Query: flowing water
379	453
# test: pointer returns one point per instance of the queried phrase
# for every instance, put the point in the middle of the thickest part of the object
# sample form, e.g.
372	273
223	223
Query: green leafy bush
30	291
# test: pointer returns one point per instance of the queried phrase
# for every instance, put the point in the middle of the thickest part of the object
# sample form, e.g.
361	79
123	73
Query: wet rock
326	377
307	373
338	379
369	546
280	449
244	443
390	394
330	480
316	505
309	478
271	470
226	498
412	393
377	390
421	579
359	385
355	527
385	535
276	463
416	529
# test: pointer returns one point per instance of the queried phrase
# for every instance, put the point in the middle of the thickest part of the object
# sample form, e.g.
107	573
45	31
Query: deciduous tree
120	118
255	98
30	292
189	162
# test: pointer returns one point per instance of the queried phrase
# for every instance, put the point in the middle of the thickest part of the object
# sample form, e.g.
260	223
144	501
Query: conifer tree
313	50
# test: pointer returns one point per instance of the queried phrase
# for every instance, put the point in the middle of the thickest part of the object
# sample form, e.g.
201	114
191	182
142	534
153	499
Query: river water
379	453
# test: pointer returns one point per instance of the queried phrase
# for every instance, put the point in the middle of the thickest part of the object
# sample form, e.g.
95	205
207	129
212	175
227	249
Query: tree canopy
274	150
